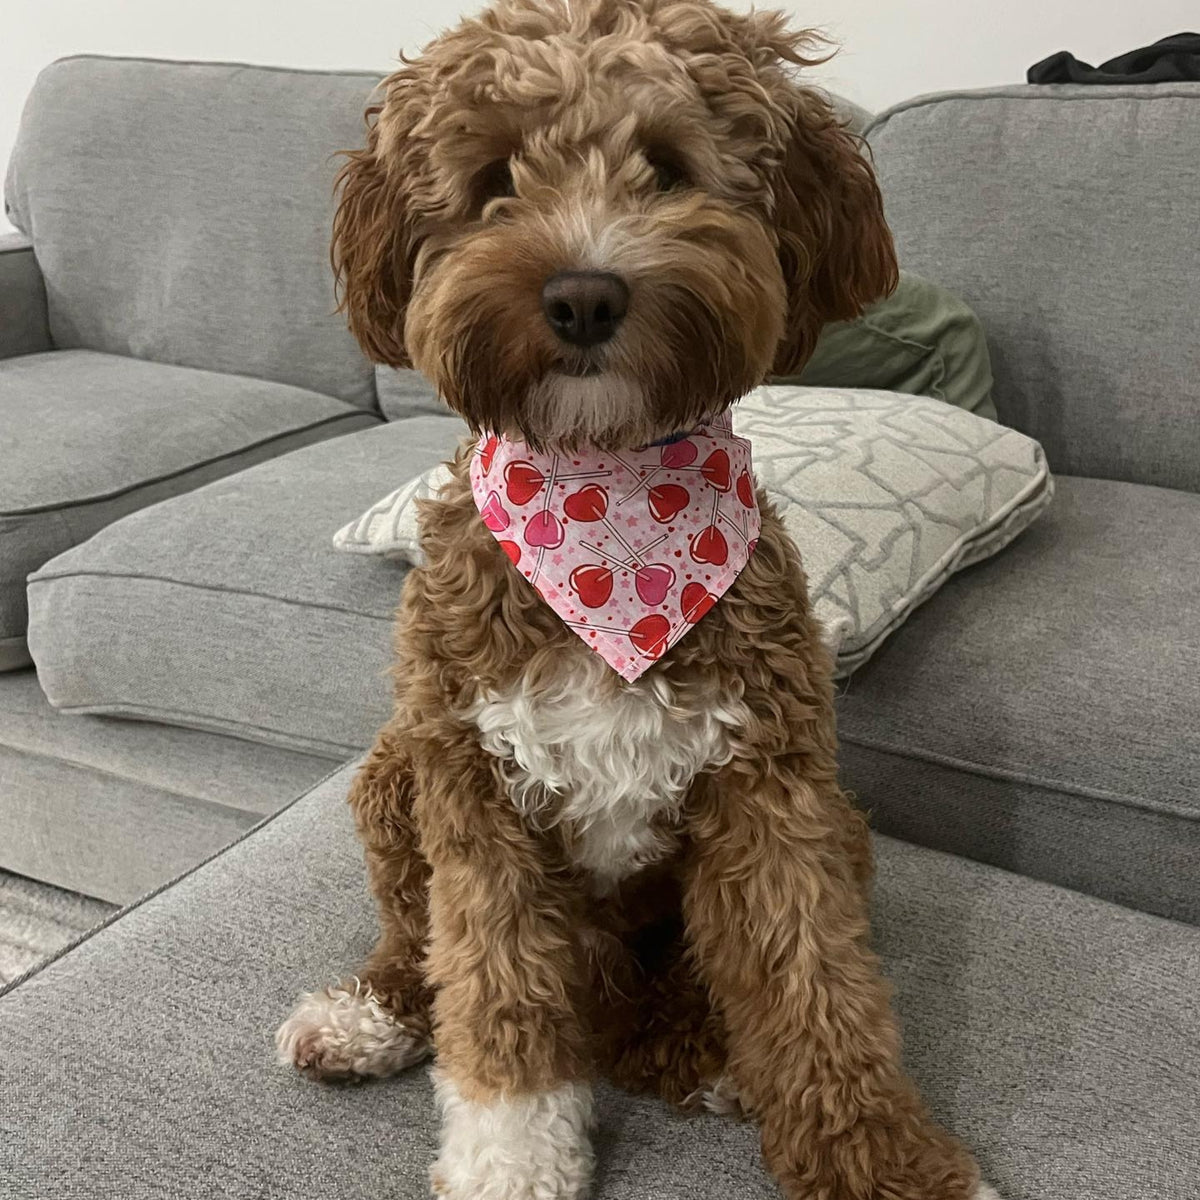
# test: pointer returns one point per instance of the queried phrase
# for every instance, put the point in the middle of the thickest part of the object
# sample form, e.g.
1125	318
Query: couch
184	422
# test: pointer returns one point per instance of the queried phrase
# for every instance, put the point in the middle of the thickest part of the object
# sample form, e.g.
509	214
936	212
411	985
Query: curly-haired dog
594	226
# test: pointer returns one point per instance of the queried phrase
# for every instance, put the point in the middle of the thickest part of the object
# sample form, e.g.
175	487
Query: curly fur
660	881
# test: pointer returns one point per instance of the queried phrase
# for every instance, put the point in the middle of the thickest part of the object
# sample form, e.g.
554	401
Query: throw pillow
886	495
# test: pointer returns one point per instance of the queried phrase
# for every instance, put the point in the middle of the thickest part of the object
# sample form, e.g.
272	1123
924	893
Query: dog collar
629	549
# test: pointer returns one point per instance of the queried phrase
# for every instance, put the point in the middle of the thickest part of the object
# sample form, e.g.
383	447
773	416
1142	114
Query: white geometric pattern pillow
886	495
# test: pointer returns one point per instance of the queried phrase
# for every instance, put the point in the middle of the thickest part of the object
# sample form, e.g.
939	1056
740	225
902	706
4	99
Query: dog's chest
609	761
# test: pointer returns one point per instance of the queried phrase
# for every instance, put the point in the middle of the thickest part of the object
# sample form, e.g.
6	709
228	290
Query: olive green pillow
921	340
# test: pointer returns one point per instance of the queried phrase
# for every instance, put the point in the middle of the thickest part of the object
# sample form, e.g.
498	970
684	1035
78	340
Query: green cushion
921	340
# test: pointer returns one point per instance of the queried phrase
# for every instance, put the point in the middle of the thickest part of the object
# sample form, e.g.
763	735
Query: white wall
892	48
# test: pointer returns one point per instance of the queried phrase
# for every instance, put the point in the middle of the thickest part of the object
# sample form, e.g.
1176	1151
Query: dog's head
604	220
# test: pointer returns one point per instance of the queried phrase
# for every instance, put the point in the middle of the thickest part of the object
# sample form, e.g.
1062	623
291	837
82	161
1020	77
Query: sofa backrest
1068	217
180	212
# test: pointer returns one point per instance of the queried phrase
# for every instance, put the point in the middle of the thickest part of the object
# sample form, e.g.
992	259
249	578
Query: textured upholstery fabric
406	394
87	437
1065	216
887	495
115	808
1040	712
921	339
1055	1033
259	627
23	325
181	213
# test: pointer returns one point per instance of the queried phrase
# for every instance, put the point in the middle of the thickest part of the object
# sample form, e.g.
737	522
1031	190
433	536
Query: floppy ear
835	248
373	251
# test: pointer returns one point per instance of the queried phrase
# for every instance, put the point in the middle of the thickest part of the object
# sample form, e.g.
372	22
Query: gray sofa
184	423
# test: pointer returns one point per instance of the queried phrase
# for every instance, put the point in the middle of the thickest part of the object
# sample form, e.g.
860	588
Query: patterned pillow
886	495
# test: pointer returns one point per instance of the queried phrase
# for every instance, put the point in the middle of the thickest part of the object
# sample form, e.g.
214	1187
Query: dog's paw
532	1147
719	1097
344	1033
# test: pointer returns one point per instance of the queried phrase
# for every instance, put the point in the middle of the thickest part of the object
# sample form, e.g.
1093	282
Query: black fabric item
1168	60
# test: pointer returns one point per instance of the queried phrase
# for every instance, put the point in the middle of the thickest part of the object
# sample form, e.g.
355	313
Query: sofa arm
24	322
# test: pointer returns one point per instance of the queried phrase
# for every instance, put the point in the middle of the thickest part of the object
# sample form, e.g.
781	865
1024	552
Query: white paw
720	1097
532	1147
343	1032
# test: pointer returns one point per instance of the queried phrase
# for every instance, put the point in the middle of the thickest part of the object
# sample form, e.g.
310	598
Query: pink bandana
629	549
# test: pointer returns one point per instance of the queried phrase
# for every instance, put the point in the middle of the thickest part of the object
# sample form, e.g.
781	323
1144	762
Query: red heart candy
696	601
710	546
512	550
745	489
588	504
488	452
544	530
750	546
667	500
652	582
592	584
649	635
715	469
678	454
523	481
494	514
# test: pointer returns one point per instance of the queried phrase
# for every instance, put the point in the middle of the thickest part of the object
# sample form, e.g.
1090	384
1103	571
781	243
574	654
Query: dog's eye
669	173
496	181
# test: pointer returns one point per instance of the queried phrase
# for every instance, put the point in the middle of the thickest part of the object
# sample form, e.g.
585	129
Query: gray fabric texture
1055	1033
261	628
114	808
23	324
181	213
404	394
87	437
1040	711
1065	216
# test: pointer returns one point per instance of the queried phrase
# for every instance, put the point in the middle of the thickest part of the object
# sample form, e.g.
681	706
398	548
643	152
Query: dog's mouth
579	368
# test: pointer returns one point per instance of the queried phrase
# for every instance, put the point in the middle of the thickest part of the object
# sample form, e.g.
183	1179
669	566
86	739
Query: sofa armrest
24	321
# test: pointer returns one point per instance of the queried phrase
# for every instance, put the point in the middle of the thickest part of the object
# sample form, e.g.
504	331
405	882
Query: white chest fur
609	759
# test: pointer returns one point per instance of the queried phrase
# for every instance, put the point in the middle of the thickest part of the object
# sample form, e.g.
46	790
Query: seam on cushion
1011	776
38	968
214	724
44	756
355	72
1109	93
100	497
26	249
208	587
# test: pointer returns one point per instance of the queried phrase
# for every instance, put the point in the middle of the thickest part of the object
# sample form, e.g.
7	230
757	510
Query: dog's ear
835	248
374	247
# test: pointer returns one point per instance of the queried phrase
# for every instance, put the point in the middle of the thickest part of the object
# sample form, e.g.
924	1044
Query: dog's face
602	221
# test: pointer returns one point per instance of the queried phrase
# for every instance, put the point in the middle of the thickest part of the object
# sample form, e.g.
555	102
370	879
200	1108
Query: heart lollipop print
493	512
488	452
696	602
653	581
544	531
715	470
649	635
588	504
512	550
522	481
745	489
592	584
679	454
667	501
710	546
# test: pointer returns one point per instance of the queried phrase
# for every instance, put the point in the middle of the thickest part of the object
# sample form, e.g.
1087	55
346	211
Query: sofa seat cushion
1040	712
1053	1032
87	437
113	808
229	609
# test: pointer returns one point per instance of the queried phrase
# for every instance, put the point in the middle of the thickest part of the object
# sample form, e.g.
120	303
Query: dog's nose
585	307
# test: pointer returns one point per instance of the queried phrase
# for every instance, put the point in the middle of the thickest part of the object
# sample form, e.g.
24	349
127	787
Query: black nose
585	307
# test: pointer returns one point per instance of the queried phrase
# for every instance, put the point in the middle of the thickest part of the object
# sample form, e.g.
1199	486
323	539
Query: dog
594	225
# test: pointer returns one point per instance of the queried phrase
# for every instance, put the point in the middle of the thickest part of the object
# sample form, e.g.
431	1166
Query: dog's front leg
513	1072
778	922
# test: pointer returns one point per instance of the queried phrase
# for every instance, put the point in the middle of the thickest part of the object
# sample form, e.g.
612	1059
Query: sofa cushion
229	608
1053	1032
1065	216
87	437
1040	712
181	213
114	808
